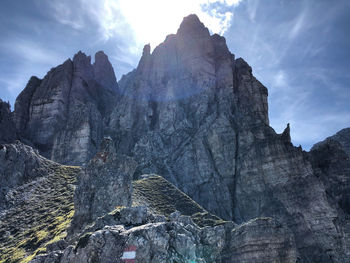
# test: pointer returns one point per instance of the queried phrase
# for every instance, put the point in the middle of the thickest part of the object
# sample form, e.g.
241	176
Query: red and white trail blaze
129	254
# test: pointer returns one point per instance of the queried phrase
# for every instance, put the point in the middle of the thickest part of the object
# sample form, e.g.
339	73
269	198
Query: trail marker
129	254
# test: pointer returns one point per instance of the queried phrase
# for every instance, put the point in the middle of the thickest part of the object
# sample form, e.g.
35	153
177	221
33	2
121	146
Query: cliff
196	115
63	114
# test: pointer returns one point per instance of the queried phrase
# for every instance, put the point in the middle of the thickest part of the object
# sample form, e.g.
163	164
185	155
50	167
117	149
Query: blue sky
300	50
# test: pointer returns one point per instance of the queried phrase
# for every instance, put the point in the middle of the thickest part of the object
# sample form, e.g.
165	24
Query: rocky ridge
165	237
63	114
342	137
168	236
36	202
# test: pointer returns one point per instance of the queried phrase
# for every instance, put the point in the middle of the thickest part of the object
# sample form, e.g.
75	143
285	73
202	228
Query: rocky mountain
342	137
168	227
194	114
7	127
63	114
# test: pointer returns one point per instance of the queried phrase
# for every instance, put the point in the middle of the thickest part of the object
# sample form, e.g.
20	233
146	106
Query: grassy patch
162	197
44	214
41	217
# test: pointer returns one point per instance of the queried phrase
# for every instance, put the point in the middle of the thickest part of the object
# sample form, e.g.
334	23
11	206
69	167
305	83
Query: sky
298	49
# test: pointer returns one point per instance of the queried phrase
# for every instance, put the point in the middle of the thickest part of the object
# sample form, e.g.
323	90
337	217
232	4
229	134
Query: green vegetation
40	216
44	209
162	197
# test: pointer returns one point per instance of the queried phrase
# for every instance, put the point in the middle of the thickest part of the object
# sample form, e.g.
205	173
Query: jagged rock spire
104	72
192	25
286	134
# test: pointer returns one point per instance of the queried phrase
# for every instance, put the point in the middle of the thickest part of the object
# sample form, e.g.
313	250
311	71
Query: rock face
342	137
180	114
332	166
260	240
194	114
276	179
63	114
102	185
179	240
36	201
19	164
8	132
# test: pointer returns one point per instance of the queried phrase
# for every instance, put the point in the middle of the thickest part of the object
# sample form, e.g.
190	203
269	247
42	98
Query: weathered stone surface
23	103
102	185
104	72
8	132
332	166
277	180
342	137
19	164
180	240
36	202
179	113
63	114
197	116
260	240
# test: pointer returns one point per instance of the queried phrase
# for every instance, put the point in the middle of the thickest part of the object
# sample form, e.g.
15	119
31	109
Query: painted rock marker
129	254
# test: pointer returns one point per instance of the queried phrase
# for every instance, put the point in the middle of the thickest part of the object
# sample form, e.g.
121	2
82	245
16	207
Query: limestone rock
104	72
286	135
19	164
23	103
196	115
276	179
8	132
180	240
342	137
63	114
260	240
103	184
331	164
179	114
36	202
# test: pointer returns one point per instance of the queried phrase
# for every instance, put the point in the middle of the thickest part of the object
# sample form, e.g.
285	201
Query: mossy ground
162	197
40	216
44	209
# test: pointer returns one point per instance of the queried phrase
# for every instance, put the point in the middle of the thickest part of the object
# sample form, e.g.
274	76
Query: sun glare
151	21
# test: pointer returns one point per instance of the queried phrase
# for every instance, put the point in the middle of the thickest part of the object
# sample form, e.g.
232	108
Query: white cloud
66	15
252	7
152	20
35	59
280	79
32	52
298	25
146	21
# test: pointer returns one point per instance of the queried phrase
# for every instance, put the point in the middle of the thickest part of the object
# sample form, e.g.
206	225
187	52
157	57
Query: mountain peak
80	57
100	55
103	71
191	24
